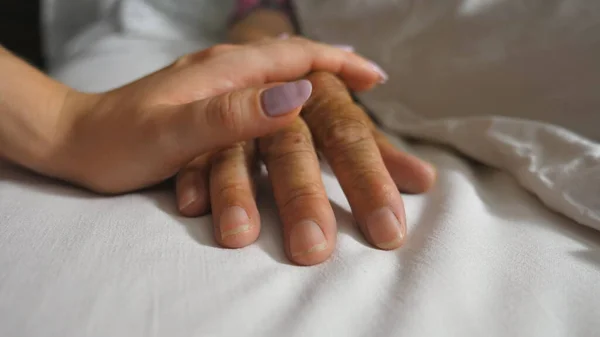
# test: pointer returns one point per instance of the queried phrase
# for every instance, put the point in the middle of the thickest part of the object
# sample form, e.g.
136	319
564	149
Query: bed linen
489	251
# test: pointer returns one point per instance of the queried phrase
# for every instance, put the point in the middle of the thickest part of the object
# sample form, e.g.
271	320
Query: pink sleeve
244	7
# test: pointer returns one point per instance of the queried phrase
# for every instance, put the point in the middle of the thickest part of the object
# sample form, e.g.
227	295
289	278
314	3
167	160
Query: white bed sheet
484	256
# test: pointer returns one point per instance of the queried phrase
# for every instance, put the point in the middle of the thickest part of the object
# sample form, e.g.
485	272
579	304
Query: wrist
58	156
36	113
31	126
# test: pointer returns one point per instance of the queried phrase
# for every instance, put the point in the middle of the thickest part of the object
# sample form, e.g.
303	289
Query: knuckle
226	113
286	143
307	45
292	139
298	39
328	102
183	60
292	159
200	163
219	49
344	132
228	174
307	191
371	183
325	81
227	156
203	54
231	189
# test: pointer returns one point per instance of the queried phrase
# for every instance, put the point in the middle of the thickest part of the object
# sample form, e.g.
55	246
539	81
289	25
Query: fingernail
284	98
385	229
431	170
283	36
411	186
234	220
345	47
188	197
383	76
307	237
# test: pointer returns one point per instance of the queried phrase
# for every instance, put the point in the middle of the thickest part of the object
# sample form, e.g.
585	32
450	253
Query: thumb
235	116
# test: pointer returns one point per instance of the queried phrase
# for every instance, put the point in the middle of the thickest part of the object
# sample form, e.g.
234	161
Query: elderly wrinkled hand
370	170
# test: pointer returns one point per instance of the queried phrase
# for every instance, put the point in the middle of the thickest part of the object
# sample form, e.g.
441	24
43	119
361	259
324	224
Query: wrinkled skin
370	170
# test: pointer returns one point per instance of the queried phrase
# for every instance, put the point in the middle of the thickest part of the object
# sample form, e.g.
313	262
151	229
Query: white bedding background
484	256
455	63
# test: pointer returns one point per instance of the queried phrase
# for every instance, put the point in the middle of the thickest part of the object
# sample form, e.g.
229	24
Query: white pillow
513	84
534	59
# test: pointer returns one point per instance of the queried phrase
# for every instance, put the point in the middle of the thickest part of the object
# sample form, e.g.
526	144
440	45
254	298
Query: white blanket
484	256
456	65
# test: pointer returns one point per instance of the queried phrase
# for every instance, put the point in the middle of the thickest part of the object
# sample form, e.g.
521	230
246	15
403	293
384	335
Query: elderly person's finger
309	225
191	184
235	215
411	174
342	131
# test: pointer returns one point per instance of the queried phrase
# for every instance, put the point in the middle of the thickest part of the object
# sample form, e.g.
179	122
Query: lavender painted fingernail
345	47
383	76
284	98
283	36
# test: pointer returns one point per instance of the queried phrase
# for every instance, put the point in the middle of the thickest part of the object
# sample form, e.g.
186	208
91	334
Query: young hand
143	133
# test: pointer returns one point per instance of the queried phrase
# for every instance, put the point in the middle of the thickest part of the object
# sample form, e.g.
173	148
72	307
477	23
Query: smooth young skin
370	170
145	132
